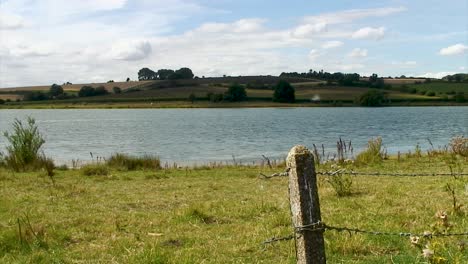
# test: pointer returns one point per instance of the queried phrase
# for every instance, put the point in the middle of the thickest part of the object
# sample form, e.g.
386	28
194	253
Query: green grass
216	215
441	87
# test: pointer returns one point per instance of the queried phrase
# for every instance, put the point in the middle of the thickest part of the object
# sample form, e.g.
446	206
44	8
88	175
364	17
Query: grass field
441	87
221	215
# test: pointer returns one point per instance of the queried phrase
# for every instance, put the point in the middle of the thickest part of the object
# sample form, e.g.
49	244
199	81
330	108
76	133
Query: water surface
206	135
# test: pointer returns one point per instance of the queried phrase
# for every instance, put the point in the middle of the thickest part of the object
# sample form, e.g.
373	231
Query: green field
222	215
309	92
441	87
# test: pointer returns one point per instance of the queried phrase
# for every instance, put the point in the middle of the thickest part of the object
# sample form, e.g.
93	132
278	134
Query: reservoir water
189	136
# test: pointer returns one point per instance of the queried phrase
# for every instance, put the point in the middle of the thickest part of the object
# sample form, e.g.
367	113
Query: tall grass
373	154
24	149
130	163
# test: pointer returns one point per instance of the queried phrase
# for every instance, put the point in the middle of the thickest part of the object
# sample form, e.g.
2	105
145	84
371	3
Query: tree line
146	74
345	79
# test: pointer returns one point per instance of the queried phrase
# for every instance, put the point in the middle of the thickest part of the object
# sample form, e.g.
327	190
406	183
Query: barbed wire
321	226
357	173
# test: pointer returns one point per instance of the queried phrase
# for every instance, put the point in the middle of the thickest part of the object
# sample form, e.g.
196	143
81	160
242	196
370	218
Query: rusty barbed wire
321	226
358	173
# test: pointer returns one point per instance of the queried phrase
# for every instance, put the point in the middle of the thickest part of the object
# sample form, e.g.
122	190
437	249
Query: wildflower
428	253
414	240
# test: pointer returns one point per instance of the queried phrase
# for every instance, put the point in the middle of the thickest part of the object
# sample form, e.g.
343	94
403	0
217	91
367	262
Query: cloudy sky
55	41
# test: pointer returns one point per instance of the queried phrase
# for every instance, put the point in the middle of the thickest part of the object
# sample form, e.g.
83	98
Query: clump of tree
146	74
55	90
460	97
372	98
235	93
2	101
348	79
87	91
458	77
284	92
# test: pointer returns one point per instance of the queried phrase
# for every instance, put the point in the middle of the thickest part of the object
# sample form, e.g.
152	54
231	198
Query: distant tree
86	91
101	90
402	77
110	81
372	98
128	79
145	74
192	97
35	96
2	101
117	90
163	74
284	92
235	93
185	73
55	90
460	97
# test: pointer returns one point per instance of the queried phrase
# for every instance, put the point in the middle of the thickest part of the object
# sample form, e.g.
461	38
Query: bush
2	101
460	97
373	154
284	92
128	162
430	93
341	184
23	153
86	91
117	90
372	98
459	145
55	90
95	170
236	93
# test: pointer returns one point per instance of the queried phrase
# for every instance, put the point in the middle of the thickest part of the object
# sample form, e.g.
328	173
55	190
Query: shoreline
207	105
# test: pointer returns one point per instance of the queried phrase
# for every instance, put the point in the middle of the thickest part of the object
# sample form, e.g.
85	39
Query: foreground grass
217	215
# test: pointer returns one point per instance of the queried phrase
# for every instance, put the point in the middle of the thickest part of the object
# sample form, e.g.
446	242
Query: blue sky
55	41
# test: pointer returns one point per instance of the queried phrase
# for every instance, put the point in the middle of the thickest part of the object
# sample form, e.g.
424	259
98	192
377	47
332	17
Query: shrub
2	101
23	153
372	98
236	93
373	154
86	91
117	90
341	184
55	90
95	170
128	162
459	145
284	92
460	97
430	93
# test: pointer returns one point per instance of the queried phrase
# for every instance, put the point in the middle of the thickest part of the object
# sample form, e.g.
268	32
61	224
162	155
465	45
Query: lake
190	136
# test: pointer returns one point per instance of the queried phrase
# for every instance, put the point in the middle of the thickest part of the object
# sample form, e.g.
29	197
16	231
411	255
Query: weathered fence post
305	206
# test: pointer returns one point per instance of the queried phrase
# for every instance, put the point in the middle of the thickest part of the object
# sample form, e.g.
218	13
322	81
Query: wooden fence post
305	206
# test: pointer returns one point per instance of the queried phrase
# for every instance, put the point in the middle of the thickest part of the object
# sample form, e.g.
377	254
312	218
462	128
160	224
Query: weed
95	170
373	154
23	153
130	163
459	145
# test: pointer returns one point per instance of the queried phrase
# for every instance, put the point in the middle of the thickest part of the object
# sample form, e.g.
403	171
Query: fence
305	207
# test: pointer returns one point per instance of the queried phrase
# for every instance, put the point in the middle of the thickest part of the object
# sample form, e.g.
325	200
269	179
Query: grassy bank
221	215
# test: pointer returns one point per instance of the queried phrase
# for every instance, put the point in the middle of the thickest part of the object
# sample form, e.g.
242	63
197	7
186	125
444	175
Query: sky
81	41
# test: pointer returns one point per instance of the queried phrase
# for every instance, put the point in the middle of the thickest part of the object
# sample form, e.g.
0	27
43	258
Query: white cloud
456	49
347	16
308	30
462	68
313	54
369	33
358	53
130	50
332	44
10	21
240	26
